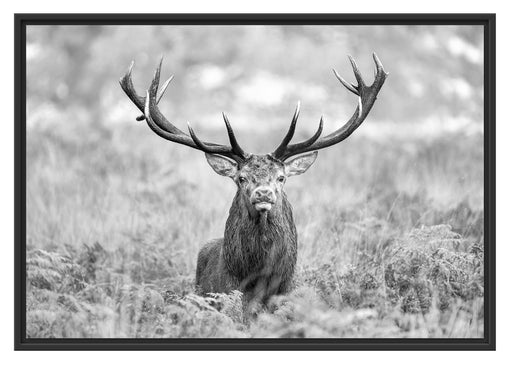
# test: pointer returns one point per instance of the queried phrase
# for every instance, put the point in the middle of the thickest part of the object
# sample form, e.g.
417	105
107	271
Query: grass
390	239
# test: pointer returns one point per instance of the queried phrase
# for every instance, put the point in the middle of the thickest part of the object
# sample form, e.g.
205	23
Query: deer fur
257	255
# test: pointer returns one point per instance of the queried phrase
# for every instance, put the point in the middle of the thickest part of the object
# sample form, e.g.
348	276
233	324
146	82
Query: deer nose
263	194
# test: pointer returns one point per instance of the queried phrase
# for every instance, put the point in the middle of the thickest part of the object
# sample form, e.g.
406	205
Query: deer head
259	178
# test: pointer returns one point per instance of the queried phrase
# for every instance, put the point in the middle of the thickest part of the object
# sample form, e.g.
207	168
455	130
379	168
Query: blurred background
257	73
97	176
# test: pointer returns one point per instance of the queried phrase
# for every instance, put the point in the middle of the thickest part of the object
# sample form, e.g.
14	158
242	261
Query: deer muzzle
263	198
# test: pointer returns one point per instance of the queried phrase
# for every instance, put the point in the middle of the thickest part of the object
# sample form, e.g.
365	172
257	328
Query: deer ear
222	165
300	164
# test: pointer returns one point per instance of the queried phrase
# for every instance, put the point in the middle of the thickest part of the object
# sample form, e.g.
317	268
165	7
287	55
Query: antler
162	127
366	98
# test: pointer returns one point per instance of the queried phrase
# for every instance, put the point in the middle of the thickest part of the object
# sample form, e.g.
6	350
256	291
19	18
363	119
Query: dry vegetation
112	254
390	228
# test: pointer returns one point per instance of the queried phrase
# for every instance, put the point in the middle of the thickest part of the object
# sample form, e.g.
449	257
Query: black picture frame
488	21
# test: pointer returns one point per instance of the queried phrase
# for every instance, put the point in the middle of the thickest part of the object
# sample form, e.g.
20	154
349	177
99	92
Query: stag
258	252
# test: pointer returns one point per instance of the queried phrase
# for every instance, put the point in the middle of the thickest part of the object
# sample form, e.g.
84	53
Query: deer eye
281	179
242	180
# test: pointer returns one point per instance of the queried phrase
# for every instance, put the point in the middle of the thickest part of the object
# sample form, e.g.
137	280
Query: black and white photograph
255	181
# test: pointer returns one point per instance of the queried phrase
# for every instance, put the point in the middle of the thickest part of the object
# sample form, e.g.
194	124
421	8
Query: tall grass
390	239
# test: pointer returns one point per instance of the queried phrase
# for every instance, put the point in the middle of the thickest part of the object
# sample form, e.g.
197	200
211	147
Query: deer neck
255	242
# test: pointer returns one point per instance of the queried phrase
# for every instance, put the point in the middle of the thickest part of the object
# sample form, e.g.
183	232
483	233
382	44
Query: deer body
259	250
257	254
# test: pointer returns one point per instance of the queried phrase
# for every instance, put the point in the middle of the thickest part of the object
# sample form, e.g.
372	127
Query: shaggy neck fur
261	244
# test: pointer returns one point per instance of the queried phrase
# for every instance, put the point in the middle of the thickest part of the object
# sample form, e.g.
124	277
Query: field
113	254
390	225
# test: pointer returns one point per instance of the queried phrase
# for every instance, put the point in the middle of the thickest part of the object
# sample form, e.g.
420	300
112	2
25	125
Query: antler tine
164	88
232	139
163	128
127	85
378	64
156	81
289	135
366	98
197	141
153	87
291	150
351	87
357	73
159	97
212	149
